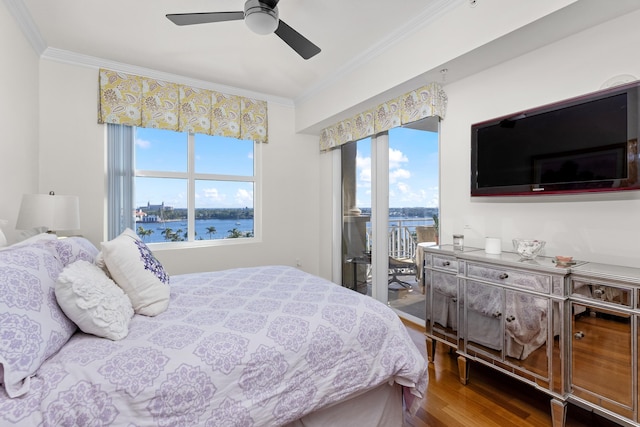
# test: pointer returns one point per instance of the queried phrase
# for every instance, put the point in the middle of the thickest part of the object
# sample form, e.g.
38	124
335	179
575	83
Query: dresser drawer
445	262
602	291
503	276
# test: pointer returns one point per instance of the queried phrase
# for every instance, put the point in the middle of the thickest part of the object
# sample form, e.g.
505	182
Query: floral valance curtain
429	100
139	101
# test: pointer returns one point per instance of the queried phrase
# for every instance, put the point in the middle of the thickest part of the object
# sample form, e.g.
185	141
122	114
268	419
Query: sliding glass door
389	185
413	204
356	216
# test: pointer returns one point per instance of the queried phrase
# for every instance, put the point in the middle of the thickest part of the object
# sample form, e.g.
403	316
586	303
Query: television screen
583	144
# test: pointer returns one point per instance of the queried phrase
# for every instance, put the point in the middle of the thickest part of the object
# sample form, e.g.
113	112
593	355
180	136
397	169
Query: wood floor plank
490	399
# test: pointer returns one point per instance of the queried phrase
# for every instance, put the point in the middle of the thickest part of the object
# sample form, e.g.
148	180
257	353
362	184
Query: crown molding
73	58
429	15
20	13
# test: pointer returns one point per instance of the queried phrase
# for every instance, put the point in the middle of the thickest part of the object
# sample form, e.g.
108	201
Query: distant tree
172	236
234	233
143	233
167	233
211	231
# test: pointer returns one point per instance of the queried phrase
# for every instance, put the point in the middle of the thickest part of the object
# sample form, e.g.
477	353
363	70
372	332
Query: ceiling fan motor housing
260	18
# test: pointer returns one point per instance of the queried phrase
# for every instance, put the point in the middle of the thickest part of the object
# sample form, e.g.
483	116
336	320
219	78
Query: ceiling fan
261	16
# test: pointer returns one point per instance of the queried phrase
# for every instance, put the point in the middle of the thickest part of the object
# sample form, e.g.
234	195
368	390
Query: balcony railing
402	236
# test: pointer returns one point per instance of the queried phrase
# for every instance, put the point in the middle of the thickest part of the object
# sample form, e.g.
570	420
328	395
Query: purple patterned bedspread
256	346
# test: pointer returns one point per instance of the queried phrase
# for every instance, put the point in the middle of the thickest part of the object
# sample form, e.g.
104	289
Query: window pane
356	207
224	209
413	200
223	155
161	150
161	209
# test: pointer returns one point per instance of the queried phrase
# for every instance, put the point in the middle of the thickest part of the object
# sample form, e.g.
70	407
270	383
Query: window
185	187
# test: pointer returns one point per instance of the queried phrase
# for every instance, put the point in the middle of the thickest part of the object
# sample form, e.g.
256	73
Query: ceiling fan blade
271	3
204	17
296	41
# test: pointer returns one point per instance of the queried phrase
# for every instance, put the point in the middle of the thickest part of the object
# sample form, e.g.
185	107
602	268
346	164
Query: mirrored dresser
570	331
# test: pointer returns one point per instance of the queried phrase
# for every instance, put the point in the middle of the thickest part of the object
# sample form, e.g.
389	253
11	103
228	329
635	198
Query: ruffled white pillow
93	301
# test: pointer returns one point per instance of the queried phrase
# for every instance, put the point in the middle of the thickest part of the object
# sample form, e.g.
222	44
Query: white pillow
3	238
9	237
93	301
134	268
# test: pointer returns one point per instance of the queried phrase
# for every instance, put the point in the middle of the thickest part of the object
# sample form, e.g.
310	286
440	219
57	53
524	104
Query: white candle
493	245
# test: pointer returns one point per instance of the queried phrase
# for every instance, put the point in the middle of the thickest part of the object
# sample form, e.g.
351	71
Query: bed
260	346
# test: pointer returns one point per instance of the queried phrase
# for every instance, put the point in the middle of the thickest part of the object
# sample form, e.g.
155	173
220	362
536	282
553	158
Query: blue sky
413	169
167	151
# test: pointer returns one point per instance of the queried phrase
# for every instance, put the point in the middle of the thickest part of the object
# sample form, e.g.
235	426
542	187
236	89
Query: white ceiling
135	36
136	32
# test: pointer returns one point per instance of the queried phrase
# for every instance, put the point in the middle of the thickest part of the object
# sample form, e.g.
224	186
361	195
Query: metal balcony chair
401	255
401	266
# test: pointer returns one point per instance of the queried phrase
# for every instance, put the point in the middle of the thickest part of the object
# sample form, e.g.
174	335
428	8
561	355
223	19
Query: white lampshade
260	19
49	210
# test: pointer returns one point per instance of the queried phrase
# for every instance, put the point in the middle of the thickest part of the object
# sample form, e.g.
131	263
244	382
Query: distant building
160	207
142	213
141	216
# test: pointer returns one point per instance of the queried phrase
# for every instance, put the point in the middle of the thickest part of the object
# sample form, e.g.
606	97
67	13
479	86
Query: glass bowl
528	248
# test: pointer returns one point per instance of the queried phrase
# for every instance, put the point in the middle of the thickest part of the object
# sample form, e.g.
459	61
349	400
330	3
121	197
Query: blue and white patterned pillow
133	267
32	325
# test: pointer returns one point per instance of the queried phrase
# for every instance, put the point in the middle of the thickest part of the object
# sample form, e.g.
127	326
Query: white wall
18	118
602	228
597	228
50	147
72	153
449	36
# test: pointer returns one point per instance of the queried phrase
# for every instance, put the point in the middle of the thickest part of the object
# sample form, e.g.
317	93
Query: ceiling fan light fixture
259	18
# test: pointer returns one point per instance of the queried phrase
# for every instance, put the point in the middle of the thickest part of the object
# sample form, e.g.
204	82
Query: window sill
162	246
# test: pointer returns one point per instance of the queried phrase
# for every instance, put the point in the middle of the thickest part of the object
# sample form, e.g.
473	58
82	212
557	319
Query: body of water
222	228
244	225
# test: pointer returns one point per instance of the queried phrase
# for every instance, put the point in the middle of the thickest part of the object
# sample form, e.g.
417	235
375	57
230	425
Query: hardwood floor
489	399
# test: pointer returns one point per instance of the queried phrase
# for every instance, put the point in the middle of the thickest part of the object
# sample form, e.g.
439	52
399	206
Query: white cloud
363	166
398	174
244	197
212	195
396	158
403	188
143	143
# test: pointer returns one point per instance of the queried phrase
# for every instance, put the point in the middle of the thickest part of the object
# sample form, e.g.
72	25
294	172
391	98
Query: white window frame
191	177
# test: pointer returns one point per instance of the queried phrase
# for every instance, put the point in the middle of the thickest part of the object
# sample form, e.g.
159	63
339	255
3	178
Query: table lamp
55	212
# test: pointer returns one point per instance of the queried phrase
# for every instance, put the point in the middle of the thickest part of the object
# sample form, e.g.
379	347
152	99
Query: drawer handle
454	299
578	335
510	319
503	276
497	314
446	264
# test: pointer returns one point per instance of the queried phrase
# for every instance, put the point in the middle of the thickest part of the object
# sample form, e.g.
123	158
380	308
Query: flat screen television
583	144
